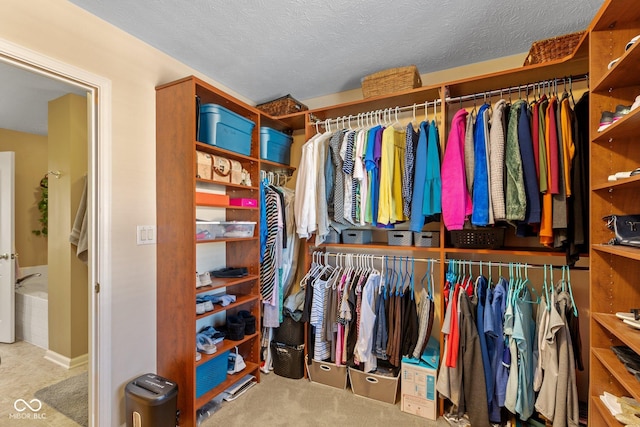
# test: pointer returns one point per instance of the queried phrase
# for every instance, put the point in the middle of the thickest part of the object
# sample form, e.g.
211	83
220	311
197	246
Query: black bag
626	229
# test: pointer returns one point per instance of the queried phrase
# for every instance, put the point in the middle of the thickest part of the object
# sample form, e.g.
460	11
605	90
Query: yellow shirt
391	167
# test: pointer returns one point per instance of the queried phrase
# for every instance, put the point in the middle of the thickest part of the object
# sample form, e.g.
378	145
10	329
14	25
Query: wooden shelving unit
614	269
180	255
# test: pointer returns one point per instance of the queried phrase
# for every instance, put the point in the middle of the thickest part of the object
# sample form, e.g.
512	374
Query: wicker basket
553	48
478	238
282	106
391	81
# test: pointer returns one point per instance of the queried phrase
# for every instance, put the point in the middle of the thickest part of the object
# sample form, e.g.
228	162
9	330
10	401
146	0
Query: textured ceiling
264	49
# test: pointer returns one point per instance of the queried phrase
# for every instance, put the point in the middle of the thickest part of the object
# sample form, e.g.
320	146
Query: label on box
421	407
418	384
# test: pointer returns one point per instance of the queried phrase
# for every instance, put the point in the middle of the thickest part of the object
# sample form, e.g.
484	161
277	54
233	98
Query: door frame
99	201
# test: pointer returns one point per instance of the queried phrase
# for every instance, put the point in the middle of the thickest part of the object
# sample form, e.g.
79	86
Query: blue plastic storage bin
275	146
225	129
211	374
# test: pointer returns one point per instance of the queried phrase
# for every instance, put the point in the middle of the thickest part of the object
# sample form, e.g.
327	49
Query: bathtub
32	307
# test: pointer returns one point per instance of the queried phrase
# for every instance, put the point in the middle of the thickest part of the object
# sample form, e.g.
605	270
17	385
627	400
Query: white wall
64	32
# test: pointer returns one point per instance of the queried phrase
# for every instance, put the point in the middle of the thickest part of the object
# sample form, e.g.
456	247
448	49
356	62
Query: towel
79	233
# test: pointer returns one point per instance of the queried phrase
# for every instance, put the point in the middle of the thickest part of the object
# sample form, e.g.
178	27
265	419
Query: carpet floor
69	397
279	401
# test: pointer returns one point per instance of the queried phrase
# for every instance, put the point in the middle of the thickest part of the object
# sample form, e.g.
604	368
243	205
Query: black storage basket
478	238
288	360
290	332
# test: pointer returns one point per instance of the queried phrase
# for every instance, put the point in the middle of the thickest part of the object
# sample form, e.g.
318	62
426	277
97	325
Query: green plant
43	207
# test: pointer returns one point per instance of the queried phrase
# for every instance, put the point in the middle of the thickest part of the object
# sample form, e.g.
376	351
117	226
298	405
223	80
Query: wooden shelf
625	333
226	184
630	182
507	251
616	14
624	73
608	358
274	165
380	246
240	300
212	149
619	250
226	282
252	368
224	346
570	66
604	412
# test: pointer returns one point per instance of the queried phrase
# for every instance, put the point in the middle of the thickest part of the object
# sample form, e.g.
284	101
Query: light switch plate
146	234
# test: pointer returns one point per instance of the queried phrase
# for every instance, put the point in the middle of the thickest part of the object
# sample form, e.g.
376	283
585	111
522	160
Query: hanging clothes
432	198
496	161
456	206
481	181
417	218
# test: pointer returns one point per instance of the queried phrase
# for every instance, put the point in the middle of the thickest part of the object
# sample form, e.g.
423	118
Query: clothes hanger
573	101
551	288
435	112
430	280
411	277
533	289
573	302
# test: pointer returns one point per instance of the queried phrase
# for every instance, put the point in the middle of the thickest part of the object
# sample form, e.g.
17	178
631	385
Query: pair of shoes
230	272
203	305
204	279
249	322
621	111
633	314
608	118
636	103
632	42
204	344
627	47
632	323
215	335
223	299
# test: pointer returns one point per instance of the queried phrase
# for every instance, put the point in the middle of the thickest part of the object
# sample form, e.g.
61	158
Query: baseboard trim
66	362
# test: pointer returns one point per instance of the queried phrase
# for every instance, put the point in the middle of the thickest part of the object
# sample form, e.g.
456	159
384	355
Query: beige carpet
279	401
69	397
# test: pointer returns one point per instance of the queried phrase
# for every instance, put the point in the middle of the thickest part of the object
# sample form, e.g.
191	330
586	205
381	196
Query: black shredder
151	401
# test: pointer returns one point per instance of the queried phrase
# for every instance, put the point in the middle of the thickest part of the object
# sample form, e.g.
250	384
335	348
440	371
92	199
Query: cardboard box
328	374
203	199
418	382
372	386
418	390
249	203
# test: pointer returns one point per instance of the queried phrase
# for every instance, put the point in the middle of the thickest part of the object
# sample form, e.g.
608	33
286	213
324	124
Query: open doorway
23	65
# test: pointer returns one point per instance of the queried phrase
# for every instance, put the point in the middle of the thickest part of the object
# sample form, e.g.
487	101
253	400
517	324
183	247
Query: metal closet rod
542	84
391	111
446	261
